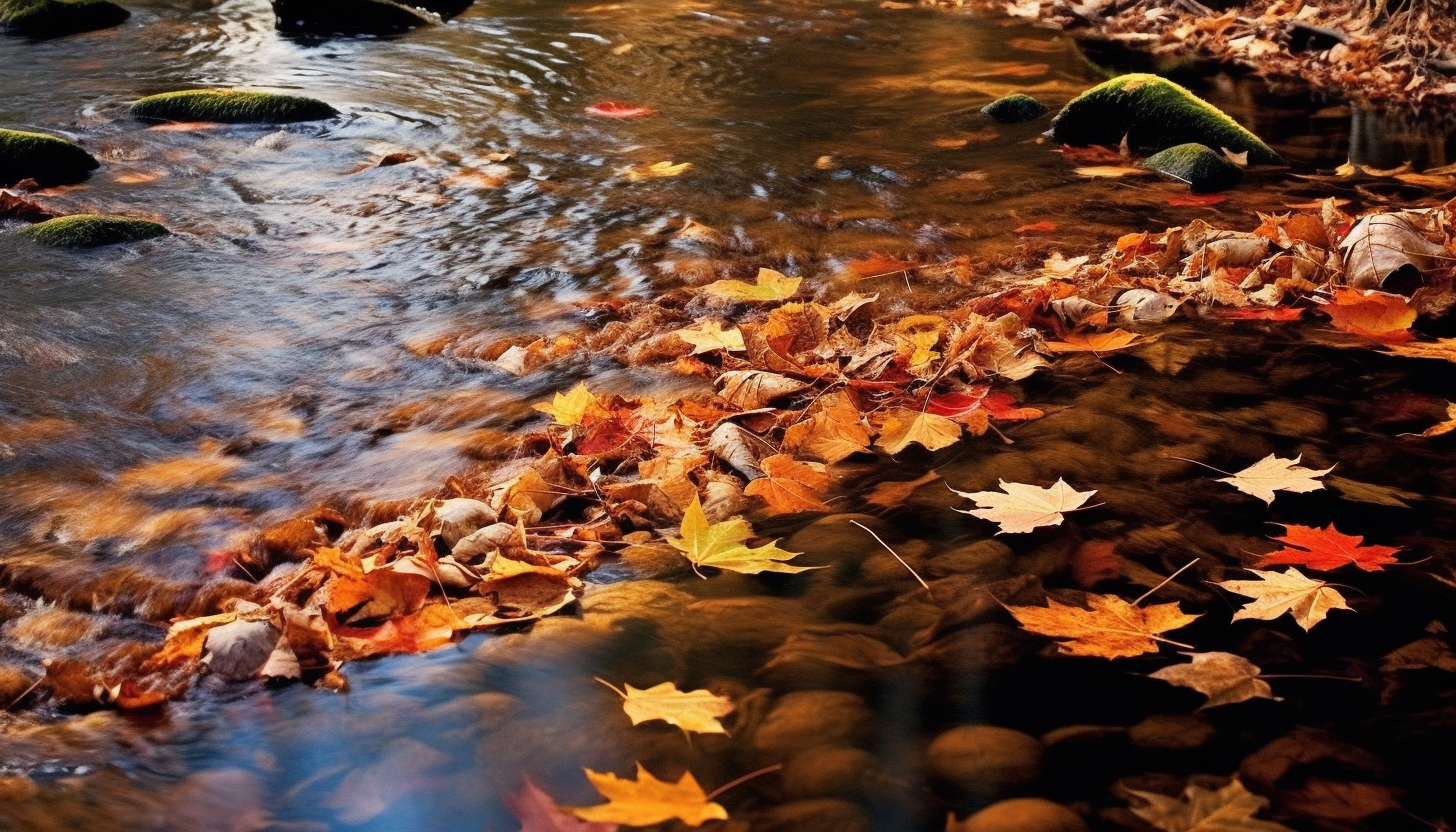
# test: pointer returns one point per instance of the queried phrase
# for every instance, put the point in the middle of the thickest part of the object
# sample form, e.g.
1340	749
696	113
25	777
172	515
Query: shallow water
161	402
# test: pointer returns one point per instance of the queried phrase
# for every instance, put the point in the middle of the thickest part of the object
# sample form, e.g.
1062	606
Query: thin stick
17	700
744	779
896	556
1204	464
1165	582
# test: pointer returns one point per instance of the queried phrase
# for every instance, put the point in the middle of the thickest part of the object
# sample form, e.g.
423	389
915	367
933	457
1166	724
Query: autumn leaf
892	494
1442	348
1223	677
1111	629
616	109
707	336
1195	200
647	800
1274	594
1024	507
1230	809
1377	315
834	432
902	427
1035	227
1113	341
697	710
1326	549
656	170
789	486
537	812
1272	474
571	408
1109	171
1095	561
1441	428
752	389
721	545
770	286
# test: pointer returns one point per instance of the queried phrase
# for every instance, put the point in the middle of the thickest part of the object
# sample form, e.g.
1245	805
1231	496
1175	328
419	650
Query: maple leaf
617	109
1442	348
656	170
1024	507
696	710
571	408
707	336
834	432
1117	339
648	800
1230	809
903	426
1223	677
537	812
771	286
789	486
1274	594
721	545
1111	629
1272	474
1378	315
1326	549
892	494
1445	427
752	389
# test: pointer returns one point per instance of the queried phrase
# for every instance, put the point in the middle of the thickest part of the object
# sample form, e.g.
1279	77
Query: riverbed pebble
826	815
832	771
985	761
461	516
805	719
1021	814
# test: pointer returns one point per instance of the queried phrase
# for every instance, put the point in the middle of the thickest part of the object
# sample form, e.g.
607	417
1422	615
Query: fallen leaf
1111	629
1442	348
1223	677
1274	594
1094	342
1195	200
721	545
892	494
707	336
902	427
1381	246
789	486
770	286
1035	227
1378	315
1024	507
537	812
834	432
571	408
697	710
1326	549
1272	474
1095	561
753	389
1110	171
656	170
1443	427
647	800
1230	809
878	265
617	109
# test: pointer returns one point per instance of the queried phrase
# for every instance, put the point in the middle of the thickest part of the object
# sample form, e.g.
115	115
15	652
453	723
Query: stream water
160	402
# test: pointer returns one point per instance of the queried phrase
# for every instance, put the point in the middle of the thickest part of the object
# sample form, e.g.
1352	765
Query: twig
744	779
17	700
897	557
1165	582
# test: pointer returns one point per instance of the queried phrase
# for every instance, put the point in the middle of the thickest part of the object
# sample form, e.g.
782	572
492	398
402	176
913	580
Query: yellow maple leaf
571	408
1117	339
903	426
1024	507
1272	474
1274	594
770	286
1112	628
695	710
647	800
789	486
656	170
721	545
707	336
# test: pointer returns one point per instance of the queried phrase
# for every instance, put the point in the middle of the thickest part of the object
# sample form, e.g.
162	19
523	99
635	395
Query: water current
164	400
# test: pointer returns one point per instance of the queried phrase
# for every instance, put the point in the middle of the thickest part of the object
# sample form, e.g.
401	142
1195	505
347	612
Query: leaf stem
1196	462
1165	582
614	688
896	556
741	780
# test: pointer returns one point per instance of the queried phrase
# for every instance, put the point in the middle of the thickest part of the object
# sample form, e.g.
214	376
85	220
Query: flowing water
161	402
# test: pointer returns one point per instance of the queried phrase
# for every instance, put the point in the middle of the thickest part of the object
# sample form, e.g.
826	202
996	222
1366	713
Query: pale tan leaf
697	710
1275	593
1223	677
1272	474
1230	809
1024	507
771	286
902	427
707	336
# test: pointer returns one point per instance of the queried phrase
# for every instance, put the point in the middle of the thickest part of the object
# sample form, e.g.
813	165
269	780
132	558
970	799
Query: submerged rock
231	107
348	17
91	230
1204	169
46	159
1014	109
984	761
1021	814
42	19
1152	112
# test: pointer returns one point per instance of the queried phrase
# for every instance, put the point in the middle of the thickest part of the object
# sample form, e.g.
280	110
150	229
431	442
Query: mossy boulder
1154	113
46	159
91	230
347	17
1014	109
57	18
1204	169
231	107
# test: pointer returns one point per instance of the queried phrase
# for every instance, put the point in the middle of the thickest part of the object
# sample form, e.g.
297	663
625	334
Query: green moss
231	107
91	230
1153	113
1014	109
1203	168
55	18
347	17
46	159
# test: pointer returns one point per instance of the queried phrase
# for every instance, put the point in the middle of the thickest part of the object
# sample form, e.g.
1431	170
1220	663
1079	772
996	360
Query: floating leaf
1230	809
707	336
1326	549
617	109
770	286
1113	341
1274	594
1223	677
697	710
903	427
1044	226
1024	507
1272	474
647	800
571	408
1442	348
1111	629
1378	315
721	545
656	170
789	486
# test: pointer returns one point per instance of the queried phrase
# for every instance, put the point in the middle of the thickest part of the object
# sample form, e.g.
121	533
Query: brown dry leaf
1024	507
1111	629
892	494
1378	315
697	710
1230	809
901	427
770	286
1095	561
1442	348
1095	342
789	486
1274	594
1223	677
753	389
647	800
1272	474
1382	245
707	336
834	432
721	545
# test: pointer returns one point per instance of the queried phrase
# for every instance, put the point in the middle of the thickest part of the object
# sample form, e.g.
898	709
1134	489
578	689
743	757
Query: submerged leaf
1230	809
1223	677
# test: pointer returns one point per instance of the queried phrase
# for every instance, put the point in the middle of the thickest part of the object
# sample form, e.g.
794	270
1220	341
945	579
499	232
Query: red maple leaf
1033	227
999	406
616	109
1326	549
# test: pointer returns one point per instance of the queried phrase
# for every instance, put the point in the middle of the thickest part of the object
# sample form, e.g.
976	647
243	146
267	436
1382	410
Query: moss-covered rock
1203	168
1014	109
57	18
91	230
231	107
1154	113
347	17
46	159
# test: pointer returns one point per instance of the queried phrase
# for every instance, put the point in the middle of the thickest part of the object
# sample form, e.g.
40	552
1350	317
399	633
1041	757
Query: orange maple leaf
789	486
1113	341
1326	549
1112	628
1378	315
